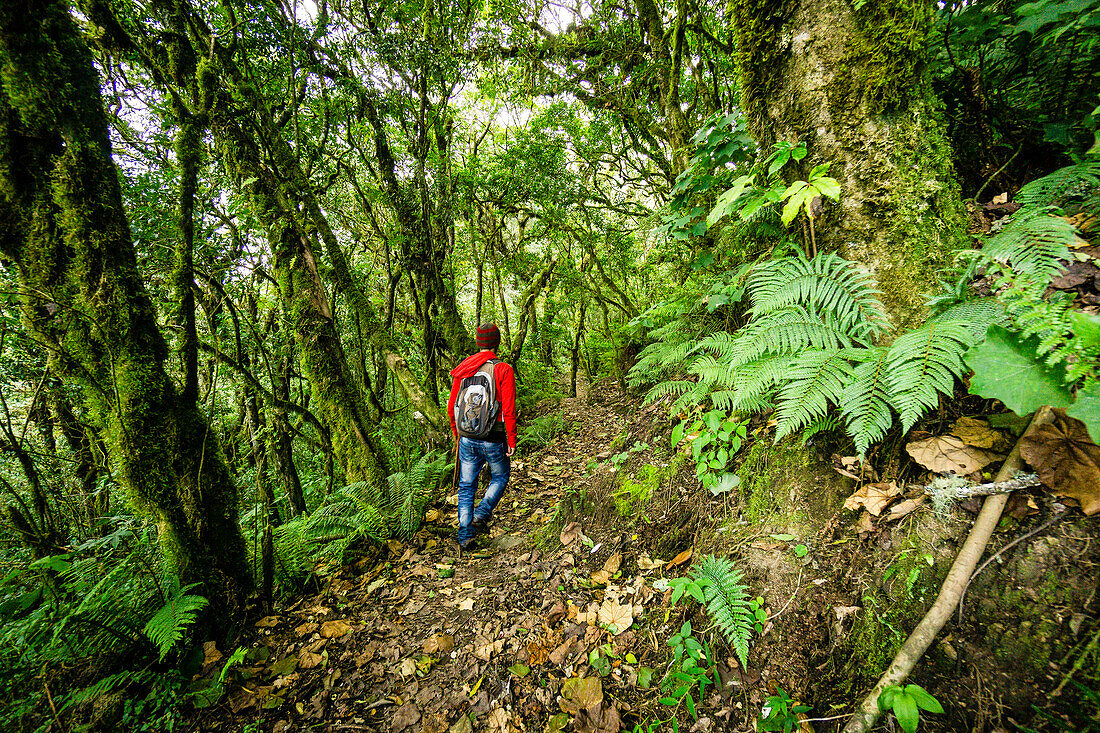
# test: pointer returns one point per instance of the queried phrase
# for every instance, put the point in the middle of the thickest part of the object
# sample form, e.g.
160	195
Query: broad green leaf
726	483
57	563
519	669
790	209
782	537
828	187
905	708
779	161
799	152
725	202
677	434
886	697
1087	409
1086	328
793	189
819	170
1010	370
924	700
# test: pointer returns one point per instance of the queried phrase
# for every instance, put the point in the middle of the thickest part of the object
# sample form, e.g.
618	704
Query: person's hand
510	451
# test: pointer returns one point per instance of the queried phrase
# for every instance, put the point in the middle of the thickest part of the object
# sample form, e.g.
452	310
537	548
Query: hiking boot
480	526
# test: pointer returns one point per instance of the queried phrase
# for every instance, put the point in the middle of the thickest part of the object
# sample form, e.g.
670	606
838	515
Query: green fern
826	284
809	349
978	315
727	602
1062	184
411	491
923	364
816	383
166	627
1035	243
865	401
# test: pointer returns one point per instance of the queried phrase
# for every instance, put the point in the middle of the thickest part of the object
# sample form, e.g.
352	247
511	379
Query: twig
53	708
999	171
965	491
867	712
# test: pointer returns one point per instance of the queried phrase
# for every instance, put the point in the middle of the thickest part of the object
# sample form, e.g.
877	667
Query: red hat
488	336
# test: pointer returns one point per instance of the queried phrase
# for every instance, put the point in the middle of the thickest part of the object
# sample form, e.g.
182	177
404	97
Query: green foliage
686	672
715	439
809	347
1046	353
727	603
716	585
358	513
907	703
780	713
180	610
540	431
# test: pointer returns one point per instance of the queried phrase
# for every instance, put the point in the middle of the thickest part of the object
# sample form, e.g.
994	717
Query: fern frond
826	284
978	315
1034	243
167	625
788	330
1061	185
756	381
671	388
865	402
923	364
816	379
727	602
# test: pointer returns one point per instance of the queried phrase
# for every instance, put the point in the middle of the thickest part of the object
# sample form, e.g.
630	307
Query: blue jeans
472	455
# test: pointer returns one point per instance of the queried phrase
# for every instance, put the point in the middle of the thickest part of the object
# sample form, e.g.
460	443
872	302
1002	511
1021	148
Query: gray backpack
477	407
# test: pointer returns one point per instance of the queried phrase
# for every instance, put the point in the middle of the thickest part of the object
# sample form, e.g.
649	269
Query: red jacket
506	390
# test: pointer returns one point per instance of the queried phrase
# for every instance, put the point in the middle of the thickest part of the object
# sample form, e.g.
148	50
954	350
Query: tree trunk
62	224
575	351
853	84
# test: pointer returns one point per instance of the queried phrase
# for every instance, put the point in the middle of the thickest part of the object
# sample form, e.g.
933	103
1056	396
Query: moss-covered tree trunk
62	223
853	85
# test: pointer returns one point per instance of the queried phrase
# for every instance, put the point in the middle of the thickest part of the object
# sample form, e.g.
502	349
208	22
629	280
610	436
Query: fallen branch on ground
922	637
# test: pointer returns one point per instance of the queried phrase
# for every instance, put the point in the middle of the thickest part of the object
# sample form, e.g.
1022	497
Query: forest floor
416	638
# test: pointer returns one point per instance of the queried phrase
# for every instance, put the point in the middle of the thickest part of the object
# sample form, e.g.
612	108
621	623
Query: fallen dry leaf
335	628
407	668
210	652
645	563
432	515
900	509
404	717
948	454
680	559
617	616
979	434
570	533
305	629
872	497
583	698
466	605
536	654
439	644
1066	460
267	622
309	660
864	524
484	649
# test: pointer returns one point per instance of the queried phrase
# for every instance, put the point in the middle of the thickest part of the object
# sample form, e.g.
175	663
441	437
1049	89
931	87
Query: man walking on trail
482	409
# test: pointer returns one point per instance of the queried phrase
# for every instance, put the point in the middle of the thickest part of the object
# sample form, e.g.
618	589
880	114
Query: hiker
483	397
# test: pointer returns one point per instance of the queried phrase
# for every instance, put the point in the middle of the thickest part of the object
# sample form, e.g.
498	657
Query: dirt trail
398	642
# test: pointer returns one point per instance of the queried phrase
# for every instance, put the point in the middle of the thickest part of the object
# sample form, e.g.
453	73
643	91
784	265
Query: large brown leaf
948	454
1066	459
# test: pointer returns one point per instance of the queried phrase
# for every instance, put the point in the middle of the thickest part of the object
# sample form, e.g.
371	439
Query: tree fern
922	364
727	602
1035	243
166	627
865	402
816	382
826	284
1062	184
